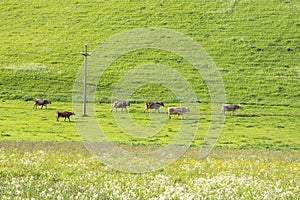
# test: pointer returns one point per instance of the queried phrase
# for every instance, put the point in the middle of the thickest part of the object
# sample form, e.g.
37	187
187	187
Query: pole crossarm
85	53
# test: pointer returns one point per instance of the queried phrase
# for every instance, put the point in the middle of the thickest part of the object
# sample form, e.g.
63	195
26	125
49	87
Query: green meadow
255	46
252	127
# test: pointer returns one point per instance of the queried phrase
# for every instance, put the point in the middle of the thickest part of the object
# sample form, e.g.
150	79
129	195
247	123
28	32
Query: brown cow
41	102
64	114
230	107
122	105
177	110
153	105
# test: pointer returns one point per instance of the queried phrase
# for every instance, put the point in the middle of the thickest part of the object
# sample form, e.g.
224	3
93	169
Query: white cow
230	107
177	110
41	102
121	105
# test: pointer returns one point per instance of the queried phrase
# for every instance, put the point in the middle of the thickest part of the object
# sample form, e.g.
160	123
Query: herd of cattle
172	110
44	103
148	105
153	105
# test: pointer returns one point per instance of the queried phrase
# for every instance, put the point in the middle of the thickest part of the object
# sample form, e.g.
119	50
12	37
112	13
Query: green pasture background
255	45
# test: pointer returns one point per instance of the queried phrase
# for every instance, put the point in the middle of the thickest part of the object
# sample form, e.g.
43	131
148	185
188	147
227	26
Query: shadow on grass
66	121
247	115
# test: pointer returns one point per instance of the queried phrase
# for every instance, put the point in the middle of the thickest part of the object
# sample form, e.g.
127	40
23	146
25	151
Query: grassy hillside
255	45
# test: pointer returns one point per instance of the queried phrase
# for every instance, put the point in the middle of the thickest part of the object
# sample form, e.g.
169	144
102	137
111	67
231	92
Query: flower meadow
224	174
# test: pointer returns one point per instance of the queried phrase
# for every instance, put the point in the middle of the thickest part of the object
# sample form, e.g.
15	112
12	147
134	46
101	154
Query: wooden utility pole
85	54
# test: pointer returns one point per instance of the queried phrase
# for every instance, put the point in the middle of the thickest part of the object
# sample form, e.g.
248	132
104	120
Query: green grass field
254	44
252	127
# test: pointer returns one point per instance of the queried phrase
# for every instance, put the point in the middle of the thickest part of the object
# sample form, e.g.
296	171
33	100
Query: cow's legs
112	108
233	112
223	111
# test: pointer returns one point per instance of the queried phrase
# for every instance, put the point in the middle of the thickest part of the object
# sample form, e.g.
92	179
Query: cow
177	110
230	107
121	105
64	114
153	105
41	102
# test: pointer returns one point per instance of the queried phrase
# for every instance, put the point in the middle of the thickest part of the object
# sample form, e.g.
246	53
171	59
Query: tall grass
56	172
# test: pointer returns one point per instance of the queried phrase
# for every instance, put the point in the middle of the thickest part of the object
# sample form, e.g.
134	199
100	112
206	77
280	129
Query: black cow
64	114
153	105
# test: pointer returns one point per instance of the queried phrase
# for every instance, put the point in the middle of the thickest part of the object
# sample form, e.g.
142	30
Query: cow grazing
230	107
177	110
41	102
64	114
153	105
121	105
